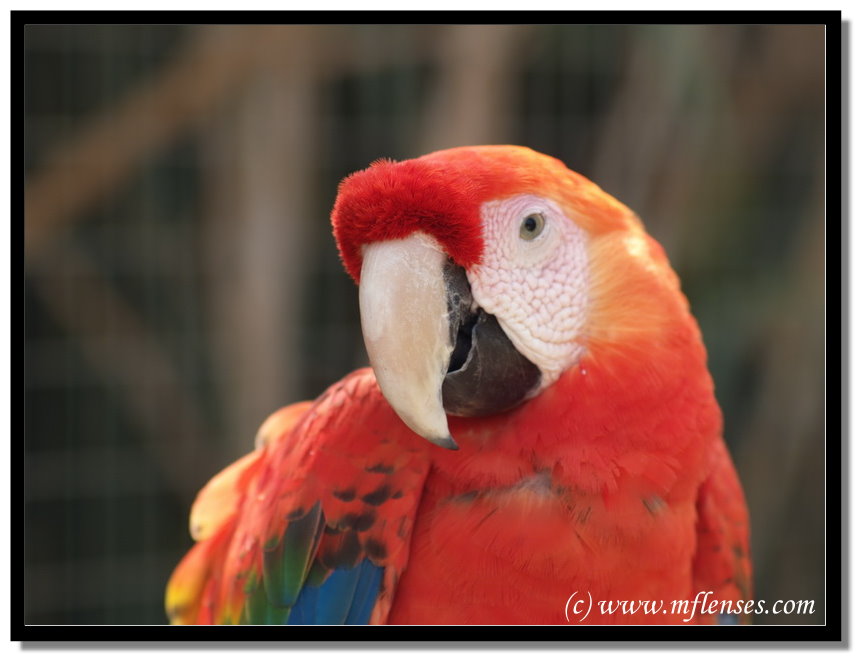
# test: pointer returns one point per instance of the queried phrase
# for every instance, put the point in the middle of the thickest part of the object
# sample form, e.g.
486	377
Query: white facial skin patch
534	279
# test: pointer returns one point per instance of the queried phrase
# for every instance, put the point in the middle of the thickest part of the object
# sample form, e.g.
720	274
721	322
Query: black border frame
835	632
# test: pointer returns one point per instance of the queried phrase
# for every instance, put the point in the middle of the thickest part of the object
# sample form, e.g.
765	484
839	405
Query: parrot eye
532	226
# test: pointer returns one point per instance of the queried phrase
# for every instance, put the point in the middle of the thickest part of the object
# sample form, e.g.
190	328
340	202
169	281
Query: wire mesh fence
182	282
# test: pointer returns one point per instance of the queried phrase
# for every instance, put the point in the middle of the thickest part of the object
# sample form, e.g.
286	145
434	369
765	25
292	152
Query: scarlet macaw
522	320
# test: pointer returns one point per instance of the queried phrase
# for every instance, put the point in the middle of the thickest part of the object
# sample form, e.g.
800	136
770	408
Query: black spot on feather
345	495
380	468
375	548
654	504
377	497
356	521
345	555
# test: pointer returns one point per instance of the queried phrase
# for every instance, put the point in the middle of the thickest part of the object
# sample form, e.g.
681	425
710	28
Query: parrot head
487	272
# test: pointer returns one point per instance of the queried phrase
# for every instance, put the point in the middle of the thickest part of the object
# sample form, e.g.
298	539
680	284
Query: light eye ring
532	226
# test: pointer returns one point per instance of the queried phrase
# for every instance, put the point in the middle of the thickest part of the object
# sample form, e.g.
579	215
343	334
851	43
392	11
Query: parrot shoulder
314	525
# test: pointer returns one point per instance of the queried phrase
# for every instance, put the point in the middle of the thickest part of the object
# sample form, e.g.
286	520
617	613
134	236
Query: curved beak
404	313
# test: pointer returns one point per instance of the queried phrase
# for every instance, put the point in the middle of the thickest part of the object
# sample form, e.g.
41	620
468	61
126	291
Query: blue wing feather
347	596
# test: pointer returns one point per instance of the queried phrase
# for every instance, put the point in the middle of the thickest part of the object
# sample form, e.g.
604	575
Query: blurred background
182	282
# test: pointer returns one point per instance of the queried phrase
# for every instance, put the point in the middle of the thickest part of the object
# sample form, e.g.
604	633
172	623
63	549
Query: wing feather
312	527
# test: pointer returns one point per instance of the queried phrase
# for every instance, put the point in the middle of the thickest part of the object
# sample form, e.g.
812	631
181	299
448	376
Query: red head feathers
391	200
441	194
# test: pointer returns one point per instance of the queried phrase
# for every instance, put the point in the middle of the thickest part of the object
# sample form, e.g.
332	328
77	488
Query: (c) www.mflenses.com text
580	605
